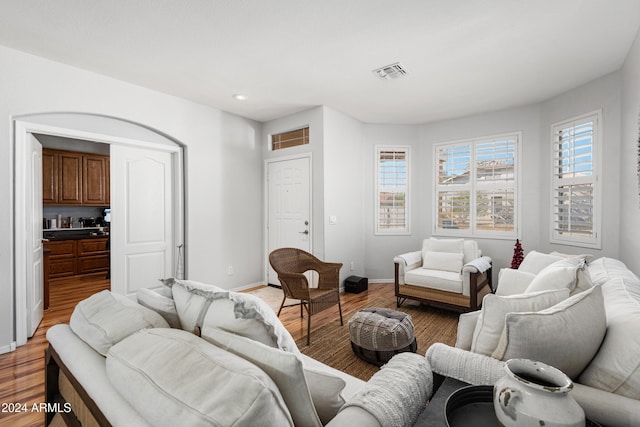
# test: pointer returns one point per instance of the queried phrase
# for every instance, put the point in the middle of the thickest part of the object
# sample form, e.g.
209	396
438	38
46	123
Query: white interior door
289	207
34	273
142	217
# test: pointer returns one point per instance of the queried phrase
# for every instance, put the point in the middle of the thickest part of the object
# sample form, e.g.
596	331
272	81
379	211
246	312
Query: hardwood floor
22	371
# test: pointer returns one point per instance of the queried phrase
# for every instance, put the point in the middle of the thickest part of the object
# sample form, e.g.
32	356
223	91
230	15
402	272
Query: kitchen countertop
73	235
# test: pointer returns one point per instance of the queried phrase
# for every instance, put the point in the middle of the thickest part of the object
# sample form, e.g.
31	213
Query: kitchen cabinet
73	178
62	258
95	179
49	176
77	256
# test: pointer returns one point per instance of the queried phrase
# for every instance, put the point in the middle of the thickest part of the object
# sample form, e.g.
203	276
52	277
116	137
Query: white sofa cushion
435	279
174	378
445	261
561	274
442	245
512	281
239	313
155	300
616	367
287	371
566	335
105	319
534	262
491	321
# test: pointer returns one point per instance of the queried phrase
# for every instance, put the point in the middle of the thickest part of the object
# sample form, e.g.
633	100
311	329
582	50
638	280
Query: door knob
304	232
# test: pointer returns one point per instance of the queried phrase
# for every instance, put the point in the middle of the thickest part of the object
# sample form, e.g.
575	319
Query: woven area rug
330	343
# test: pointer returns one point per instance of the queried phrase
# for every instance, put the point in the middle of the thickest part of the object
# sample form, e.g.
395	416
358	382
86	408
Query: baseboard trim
8	348
249	286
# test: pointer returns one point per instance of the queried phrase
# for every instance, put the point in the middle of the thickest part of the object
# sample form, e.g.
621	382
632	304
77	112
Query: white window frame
473	186
406	188
595	241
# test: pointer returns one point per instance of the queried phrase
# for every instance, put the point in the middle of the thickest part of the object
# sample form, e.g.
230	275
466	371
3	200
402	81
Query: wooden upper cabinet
49	176
95	180
72	178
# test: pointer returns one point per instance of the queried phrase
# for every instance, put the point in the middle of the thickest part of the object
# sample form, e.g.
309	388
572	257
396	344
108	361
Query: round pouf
377	334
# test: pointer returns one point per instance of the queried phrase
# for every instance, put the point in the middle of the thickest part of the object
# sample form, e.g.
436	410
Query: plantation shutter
392	190
574	180
476	186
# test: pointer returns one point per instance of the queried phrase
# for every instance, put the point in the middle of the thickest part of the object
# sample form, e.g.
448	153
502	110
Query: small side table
433	415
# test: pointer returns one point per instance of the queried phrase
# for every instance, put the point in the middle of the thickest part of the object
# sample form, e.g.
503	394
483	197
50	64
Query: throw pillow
616	367
238	313
512	282
104	319
284	368
565	336
445	261
174	378
163	305
326	393
490	323
534	262
561	274
442	245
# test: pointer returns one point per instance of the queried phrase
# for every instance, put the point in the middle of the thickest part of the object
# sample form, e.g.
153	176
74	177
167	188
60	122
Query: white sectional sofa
227	361
586	322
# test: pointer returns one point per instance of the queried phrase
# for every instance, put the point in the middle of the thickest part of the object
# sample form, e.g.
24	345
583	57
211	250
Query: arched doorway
147	205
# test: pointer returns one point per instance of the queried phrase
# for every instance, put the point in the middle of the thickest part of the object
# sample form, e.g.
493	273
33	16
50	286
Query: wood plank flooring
22	371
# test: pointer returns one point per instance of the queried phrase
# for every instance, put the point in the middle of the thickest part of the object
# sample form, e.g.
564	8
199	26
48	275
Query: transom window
289	139
392	190
476	187
575	203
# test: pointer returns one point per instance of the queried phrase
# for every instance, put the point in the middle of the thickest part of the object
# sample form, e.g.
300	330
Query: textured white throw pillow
534	262
105	319
490	323
444	261
565	336
616	367
161	304
174	378
513	282
284	368
239	313
561	274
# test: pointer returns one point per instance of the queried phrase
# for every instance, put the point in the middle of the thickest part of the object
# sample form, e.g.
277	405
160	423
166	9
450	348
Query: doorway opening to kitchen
144	203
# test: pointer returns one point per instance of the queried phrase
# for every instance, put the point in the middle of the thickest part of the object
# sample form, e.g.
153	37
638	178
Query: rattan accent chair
291	264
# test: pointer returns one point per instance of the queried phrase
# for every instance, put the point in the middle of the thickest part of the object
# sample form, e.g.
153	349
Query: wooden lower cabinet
75	257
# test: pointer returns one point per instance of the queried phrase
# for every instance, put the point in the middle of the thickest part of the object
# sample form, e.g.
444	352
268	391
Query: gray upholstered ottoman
377	334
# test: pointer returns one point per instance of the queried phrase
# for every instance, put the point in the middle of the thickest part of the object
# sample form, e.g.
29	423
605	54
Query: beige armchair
451	273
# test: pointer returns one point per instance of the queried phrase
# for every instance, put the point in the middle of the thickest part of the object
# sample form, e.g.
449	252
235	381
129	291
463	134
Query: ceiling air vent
389	72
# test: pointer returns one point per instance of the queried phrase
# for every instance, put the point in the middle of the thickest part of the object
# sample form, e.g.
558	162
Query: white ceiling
462	57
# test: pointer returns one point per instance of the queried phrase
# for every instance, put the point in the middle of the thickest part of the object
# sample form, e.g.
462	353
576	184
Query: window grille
289	139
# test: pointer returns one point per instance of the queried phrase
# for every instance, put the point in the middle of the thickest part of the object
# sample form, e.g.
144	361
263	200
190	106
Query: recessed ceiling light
239	96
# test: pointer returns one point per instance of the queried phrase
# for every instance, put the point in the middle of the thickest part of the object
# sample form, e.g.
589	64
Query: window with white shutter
392	190
476	187
575	194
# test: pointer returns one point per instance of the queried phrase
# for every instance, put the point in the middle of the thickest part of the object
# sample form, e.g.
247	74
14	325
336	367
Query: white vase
534	394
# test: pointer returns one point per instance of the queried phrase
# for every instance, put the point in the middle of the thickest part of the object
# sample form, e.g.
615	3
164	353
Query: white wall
629	179
343	195
522	119
605	94
223	164
379	250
